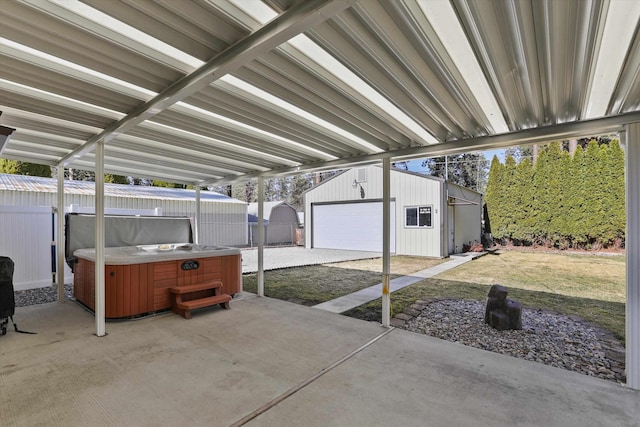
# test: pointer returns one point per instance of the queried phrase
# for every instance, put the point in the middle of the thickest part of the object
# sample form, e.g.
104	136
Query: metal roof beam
294	21
559	132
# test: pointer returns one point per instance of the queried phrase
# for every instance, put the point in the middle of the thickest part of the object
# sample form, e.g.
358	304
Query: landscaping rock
500	312
403	316
397	323
546	337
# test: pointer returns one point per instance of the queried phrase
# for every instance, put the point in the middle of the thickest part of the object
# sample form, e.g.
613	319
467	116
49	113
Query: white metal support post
631	139
260	236
197	218
99	225
386	242
60	235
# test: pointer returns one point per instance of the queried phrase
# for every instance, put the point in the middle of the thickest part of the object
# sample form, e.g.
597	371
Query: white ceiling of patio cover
332	83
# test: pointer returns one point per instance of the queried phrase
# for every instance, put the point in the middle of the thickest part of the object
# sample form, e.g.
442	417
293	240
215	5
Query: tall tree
509	199
522	191
616	192
115	179
566	201
79	175
539	204
567	182
247	192
281	188
520	153
158	183
139	181
555	193
594	209
16	167
600	140
578	227
467	169
494	196
299	184
271	190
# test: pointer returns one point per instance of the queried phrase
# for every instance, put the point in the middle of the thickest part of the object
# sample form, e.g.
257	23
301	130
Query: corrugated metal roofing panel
50	185
339	81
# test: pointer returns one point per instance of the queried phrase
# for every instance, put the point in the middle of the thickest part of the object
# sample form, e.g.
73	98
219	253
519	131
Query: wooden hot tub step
213	284
185	307
189	297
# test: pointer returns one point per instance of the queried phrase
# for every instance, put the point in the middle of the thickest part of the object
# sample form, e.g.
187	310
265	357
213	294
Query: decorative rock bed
554	339
42	295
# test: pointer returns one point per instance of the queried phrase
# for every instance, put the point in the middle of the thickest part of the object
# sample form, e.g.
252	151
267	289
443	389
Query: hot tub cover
123	230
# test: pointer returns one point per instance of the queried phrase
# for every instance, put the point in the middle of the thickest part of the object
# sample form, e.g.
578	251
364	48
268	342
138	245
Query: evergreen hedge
561	201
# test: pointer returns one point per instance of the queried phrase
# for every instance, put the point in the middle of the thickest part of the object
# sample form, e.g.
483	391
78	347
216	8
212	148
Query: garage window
418	216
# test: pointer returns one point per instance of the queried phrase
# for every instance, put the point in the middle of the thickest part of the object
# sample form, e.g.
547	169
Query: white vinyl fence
27	236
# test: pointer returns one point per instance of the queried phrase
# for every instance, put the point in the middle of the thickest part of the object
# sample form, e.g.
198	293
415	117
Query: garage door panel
351	226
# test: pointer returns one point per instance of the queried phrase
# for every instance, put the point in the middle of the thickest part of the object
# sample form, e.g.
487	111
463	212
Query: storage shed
26	217
280	223
429	216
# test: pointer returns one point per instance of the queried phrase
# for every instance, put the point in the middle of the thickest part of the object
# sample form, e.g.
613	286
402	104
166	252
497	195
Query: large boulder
500	312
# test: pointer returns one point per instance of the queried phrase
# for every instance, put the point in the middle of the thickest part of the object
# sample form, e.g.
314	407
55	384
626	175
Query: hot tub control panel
190	265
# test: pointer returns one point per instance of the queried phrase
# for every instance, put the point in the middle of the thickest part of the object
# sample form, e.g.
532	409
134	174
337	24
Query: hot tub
138	278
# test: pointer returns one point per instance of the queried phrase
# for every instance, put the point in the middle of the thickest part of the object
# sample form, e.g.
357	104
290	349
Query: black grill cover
7	298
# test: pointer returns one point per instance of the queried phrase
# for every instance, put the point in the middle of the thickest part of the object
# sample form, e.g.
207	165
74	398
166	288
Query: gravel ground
42	295
549	338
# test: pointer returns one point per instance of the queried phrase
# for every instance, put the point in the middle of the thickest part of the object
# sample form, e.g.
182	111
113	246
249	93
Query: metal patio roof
211	91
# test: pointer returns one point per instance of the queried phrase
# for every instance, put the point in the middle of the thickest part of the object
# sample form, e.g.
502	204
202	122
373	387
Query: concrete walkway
363	296
296	256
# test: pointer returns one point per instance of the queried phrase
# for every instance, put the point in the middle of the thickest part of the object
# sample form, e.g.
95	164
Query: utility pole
446	167
478	172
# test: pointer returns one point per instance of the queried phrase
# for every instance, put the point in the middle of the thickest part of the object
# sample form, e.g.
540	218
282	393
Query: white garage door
353	226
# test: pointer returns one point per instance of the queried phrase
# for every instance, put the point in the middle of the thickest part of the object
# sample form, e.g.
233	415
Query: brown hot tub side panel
136	289
231	274
128	288
164	277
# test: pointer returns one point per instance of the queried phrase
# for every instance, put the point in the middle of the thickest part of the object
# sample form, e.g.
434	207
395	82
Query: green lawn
592	287
583	276
319	283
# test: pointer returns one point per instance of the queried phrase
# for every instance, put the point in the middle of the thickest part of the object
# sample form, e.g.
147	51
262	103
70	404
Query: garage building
429	216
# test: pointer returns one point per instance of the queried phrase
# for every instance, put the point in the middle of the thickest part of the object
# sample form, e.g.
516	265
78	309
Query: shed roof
49	185
206	92
252	210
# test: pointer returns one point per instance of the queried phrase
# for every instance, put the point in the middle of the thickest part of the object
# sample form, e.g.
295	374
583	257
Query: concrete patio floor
267	362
